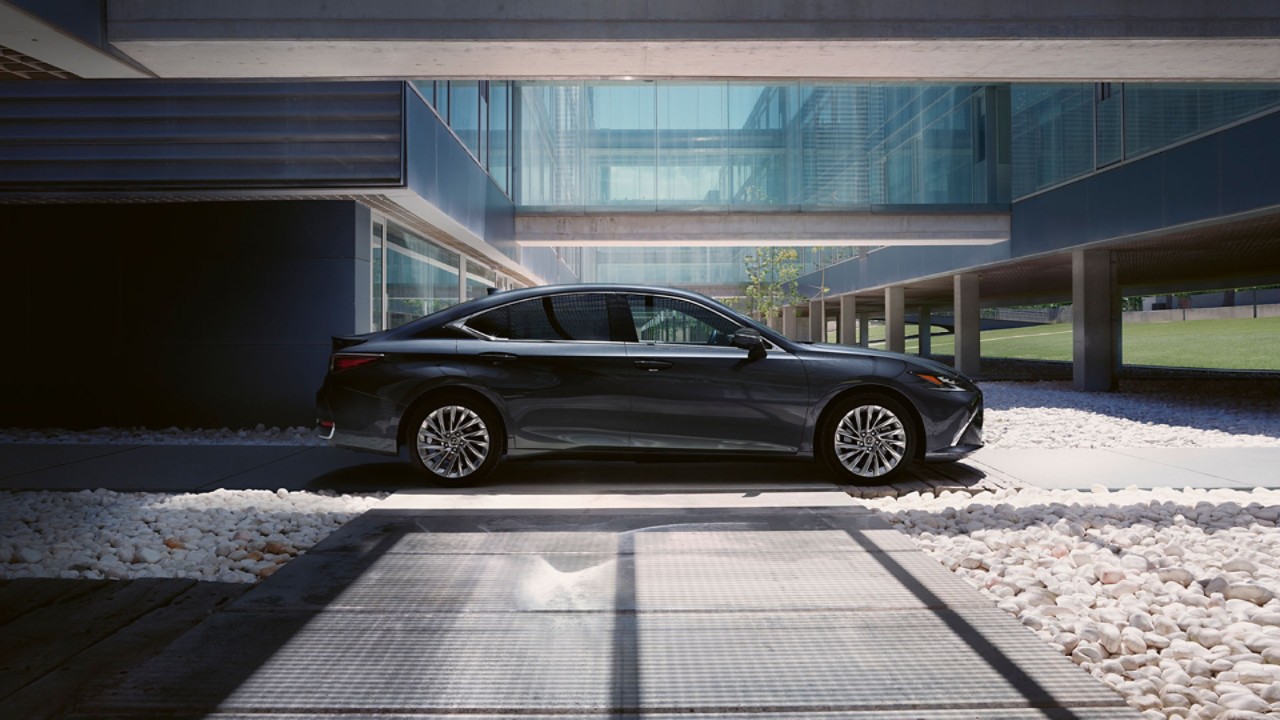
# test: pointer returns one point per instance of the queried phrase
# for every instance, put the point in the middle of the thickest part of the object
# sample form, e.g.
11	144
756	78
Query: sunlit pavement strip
734	602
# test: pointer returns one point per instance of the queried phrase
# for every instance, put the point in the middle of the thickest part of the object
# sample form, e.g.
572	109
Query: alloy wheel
453	441
870	441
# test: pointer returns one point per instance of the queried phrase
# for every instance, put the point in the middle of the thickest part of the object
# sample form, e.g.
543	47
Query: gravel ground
1169	596
260	435
1153	413
224	535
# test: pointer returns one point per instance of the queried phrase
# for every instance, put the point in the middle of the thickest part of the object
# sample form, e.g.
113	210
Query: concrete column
925	333
789	321
1095	311
774	322
968	318
895	334
817	321
847	327
864	330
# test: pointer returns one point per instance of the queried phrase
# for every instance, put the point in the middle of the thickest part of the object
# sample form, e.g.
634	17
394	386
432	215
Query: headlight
940	381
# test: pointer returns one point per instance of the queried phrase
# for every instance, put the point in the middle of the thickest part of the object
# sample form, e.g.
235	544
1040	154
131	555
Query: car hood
914	362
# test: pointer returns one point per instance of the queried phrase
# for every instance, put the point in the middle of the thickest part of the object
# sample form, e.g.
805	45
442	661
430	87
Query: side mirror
749	339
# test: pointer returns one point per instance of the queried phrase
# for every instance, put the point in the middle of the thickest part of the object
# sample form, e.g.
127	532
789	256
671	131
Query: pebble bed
260	435
1168	596
1152	413
223	536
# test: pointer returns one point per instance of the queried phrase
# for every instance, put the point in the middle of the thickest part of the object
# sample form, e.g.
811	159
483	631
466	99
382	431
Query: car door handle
652	365
498	358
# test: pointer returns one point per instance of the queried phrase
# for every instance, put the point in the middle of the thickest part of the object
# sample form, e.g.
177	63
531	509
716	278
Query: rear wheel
869	439
455	440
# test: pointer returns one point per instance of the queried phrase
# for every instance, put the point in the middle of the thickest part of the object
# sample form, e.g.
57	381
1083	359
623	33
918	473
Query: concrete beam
804	229
847	325
960	40
1096	321
895	335
49	44
968	339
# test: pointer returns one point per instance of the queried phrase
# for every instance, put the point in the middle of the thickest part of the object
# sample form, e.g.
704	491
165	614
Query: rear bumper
338	429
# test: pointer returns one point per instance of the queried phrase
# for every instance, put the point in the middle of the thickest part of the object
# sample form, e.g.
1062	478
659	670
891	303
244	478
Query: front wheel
869	439
455	440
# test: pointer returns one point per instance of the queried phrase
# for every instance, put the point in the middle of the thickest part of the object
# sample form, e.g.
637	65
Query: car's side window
664	319
573	316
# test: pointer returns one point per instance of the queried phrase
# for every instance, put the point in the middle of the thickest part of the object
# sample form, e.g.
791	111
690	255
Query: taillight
346	361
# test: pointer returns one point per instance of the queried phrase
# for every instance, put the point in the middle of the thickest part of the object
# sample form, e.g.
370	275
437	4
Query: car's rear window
577	316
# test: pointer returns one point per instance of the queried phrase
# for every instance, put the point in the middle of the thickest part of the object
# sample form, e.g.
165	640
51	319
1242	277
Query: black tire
454	440
869	439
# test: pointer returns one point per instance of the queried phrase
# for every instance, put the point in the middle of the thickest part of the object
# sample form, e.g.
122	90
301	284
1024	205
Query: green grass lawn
1244	344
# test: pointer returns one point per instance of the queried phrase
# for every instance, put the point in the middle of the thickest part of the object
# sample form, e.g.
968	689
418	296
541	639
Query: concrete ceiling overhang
51	46
737	229
973	61
1233	253
957	40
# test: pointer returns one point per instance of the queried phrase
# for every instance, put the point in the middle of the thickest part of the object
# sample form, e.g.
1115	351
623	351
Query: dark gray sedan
629	369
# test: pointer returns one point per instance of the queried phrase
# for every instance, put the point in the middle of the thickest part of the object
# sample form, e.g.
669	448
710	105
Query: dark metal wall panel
442	172
149	135
1233	171
208	314
889	265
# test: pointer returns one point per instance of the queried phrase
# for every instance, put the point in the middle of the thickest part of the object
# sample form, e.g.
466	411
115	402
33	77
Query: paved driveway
721	601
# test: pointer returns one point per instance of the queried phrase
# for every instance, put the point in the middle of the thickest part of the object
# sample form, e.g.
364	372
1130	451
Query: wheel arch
917	421
461	391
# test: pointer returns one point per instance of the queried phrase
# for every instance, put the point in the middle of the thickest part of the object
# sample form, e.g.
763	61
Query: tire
869	439
455	440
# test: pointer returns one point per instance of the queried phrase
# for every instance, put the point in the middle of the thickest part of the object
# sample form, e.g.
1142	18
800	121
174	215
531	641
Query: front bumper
965	443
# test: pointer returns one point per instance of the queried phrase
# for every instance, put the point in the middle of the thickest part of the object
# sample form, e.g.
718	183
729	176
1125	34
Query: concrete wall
1218	313
188	314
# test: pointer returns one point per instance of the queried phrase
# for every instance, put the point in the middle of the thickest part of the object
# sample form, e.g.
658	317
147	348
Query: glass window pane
464	112
1160	114
499	128
579	316
672	320
691	143
421	277
1110	116
1052	129
480	279
375	263
619	145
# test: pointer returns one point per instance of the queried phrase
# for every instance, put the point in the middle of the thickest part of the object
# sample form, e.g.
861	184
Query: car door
692	390
560	375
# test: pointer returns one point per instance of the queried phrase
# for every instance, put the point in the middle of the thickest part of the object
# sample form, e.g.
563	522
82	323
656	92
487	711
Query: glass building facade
790	147
730	145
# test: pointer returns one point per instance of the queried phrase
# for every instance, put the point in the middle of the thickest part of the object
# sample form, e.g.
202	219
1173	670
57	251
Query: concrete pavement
691	600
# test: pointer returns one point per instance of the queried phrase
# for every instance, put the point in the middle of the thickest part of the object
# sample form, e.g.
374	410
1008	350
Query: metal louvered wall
151	135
